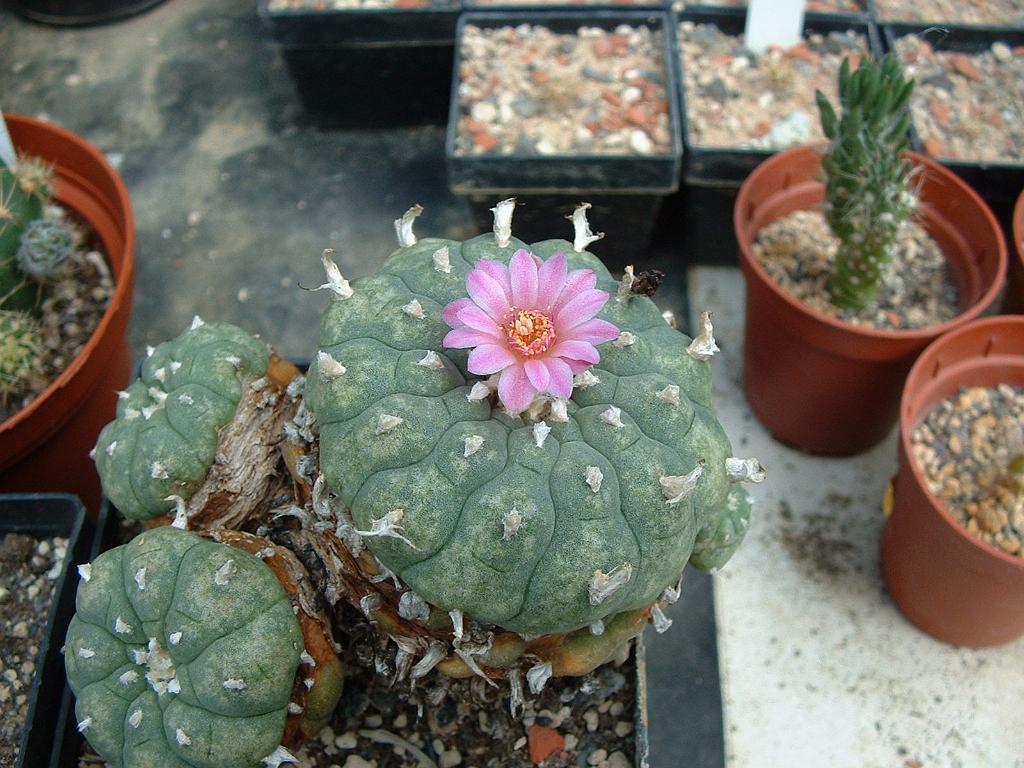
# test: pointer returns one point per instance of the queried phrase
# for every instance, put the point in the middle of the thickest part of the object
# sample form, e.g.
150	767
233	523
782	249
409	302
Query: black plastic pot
999	184
368	68
701	213
45	515
80	13
626	191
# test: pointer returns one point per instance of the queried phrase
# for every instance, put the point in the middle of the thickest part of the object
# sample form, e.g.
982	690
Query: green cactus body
182	653
21	347
23	193
457	548
867	179
45	246
165	436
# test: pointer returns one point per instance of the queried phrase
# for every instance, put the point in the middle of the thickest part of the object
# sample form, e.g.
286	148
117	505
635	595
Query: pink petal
489	358
576	350
579	310
451	312
576	282
499	272
561	377
487	293
514	389
464	338
578	366
550	280
523	271
595	331
537	373
475	318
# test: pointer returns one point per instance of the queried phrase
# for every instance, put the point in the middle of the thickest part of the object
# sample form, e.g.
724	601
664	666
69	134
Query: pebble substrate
968	107
78	299
736	98
29	569
1005	13
798	251
964	446
529	90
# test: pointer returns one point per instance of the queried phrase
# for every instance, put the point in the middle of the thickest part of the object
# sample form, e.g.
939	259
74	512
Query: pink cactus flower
530	321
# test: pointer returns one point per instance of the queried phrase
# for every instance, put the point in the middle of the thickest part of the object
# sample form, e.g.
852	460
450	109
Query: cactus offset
493	515
24	193
45	246
868	180
183	652
165	437
21	347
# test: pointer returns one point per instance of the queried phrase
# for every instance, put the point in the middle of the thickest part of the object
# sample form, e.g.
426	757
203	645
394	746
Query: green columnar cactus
45	246
23	194
537	527
21	347
182	653
164	439
868	181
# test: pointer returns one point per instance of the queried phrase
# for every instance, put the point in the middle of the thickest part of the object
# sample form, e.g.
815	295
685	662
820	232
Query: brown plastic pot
1015	290
817	383
949	583
45	447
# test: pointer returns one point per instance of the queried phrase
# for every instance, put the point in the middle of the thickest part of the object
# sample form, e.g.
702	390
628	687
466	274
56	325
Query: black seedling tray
942	23
729	166
999	184
43	515
308	28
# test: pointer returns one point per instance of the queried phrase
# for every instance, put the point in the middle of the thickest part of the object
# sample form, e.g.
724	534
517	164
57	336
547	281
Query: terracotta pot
1015	290
45	447
949	583
817	383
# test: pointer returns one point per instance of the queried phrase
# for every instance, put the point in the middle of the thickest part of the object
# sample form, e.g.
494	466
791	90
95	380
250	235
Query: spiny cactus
45	246
571	514
165	437
21	347
868	181
185	652
24	193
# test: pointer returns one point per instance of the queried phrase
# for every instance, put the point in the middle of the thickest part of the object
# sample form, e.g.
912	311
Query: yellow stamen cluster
530	332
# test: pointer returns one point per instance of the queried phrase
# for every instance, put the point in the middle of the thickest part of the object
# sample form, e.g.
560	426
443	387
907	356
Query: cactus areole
182	652
519	437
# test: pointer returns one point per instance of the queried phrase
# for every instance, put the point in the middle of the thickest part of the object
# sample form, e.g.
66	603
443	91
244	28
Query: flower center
529	331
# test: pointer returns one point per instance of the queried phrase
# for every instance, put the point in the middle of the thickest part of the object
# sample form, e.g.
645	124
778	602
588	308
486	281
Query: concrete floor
236	193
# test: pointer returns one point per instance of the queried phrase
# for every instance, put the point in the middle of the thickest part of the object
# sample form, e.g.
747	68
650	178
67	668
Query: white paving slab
818	666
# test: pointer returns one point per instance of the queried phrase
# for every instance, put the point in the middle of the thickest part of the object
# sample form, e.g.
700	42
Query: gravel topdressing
1007	13
964	446
29	569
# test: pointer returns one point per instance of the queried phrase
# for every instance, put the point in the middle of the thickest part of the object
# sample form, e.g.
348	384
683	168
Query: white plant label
774	22
7	154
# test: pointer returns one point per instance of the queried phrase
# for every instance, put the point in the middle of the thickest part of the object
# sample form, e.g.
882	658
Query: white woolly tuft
403	226
503	221
582	235
703	346
677	488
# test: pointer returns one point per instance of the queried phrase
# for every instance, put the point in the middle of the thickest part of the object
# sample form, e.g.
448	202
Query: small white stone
85	571
473	444
234	684
479	391
640	142
182	738
432	360
442	260
626	339
676	488
541	430
415	310
511	522
613	417
670	394
140	579
386	422
135	719
328	368
122	627
224	573
128	677
593	478
585	380
174	638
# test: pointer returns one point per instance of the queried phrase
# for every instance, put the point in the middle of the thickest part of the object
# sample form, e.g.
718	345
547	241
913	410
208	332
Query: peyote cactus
45	246
21	347
868	180
24	193
171	422
185	652
579	510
